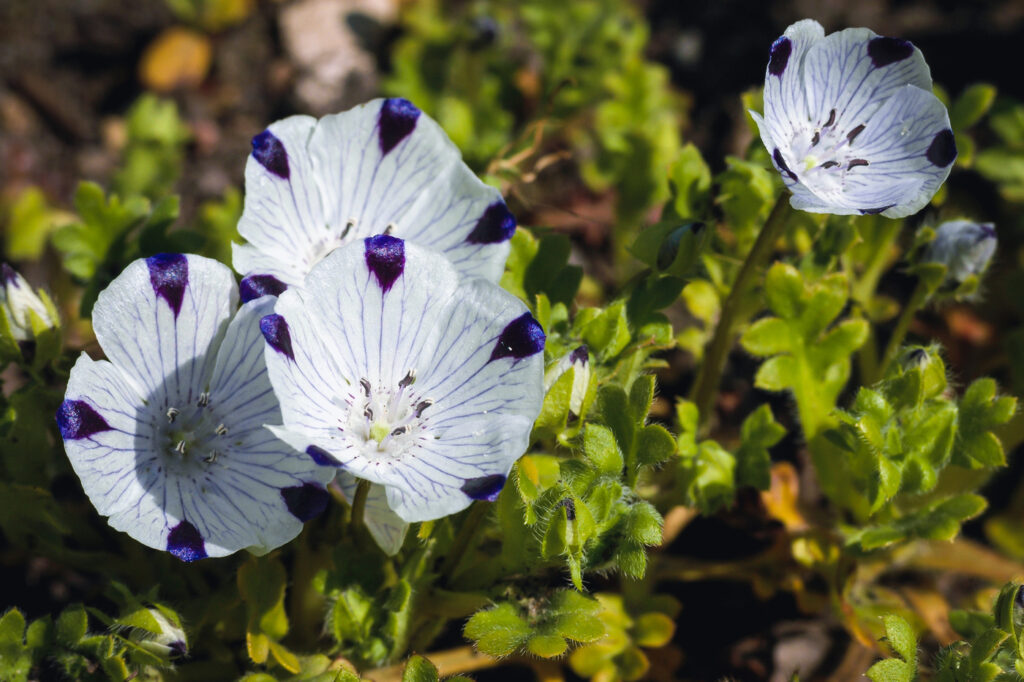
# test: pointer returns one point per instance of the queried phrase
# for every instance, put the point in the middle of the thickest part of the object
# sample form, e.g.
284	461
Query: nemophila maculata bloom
851	122
19	304
381	168
964	247
167	435
393	367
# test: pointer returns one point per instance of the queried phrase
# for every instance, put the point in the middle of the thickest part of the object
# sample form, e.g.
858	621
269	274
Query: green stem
710	373
460	544
863	291
359	506
917	300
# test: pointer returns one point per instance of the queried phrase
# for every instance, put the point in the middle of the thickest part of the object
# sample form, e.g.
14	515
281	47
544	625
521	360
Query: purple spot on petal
271	154
580	355
781	163
497	224
77	419
322	457
484	487
168	274
9	275
521	338
884	51
185	542
385	256
987	231
275	331
306	501
178	649
397	119
942	150
254	286
781	49
875	211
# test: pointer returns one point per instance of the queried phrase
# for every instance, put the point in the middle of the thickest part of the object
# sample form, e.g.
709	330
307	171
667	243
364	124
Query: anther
856	162
400	430
421	406
221	430
180	447
348	227
368	413
389	229
172	412
830	164
212	458
365	383
831	118
204	399
816	139
855	132
408	380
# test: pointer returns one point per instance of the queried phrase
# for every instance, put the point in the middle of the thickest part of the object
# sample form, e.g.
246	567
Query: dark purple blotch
781	163
397	119
271	154
8	274
254	286
781	49
77	419
581	355
942	150
987	231
385	256
497	224
570	508
322	457
178	648
185	542
875	211
484	487
306	501
885	51
275	331
168	274
521	338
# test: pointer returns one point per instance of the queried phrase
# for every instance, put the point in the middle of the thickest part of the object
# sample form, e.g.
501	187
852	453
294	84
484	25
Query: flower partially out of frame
393	367
964	247
851	122
383	167
167	436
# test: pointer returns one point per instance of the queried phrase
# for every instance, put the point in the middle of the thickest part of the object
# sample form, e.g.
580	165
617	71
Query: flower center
385	422
333	240
193	433
825	154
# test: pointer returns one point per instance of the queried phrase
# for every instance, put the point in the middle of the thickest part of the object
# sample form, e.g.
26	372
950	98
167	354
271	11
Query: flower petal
785	99
386	527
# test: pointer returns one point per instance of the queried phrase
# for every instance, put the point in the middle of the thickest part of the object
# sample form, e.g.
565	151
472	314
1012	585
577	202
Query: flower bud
168	641
579	361
18	303
964	247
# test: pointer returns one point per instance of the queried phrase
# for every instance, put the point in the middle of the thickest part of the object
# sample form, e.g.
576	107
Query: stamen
400	430
830	164
816	139
180	447
366	386
212	458
854	133
348	227
831	118
408	380
172	412
390	228
204	399
856	162
421	406
221	430
368	413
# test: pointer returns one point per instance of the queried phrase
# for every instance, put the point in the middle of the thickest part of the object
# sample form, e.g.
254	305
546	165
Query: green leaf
891	670
419	669
641	395
600	447
498	631
547	646
690	180
607	334
767	336
972	104
654	445
72	625
616	413
12	627
760	432
785	290
901	638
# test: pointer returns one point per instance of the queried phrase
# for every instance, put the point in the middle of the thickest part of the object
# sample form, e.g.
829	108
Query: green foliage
543	627
903	643
153	154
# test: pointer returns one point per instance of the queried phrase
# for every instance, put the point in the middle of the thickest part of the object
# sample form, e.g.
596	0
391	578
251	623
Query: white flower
578	360
965	248
167	436
167	640
852	124
391	366
20	303
381	168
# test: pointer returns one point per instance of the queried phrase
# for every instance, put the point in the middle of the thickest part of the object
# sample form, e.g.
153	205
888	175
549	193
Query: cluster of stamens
385	420
829	148
325	246
193	433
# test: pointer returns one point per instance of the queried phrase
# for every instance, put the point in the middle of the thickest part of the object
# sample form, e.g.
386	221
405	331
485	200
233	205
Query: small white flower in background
579	361
391	366
167	436
964	247
383	167
851	122
167	640
19	304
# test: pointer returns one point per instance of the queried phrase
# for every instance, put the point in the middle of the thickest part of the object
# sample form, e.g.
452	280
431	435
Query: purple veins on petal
77	419
271	154
168	274
275	331
884	51
385	257
521	338
322	457
484	487
497	224
185	542
397	120
875	211
781	49
781	163
942	150
255	286
306	501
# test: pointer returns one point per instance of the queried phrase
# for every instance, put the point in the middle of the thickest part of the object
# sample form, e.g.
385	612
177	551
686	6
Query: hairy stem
710	373
460	544
917	300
